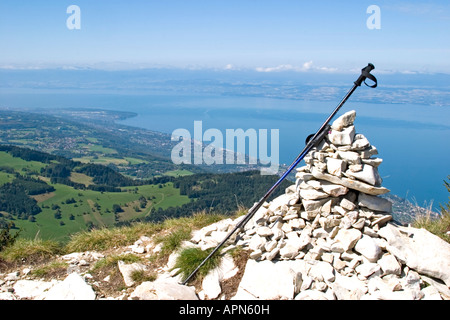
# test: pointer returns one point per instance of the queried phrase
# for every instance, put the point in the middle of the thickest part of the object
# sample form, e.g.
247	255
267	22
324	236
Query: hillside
52	197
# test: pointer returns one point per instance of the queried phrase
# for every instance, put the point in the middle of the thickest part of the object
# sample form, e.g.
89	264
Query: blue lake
413	140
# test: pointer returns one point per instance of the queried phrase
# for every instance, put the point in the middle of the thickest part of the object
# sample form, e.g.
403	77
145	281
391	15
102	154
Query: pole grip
365	73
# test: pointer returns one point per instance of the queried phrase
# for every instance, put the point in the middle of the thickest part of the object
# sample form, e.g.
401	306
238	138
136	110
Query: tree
6	238
116	208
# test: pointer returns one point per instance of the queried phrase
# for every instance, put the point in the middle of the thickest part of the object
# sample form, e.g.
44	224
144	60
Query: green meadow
67	210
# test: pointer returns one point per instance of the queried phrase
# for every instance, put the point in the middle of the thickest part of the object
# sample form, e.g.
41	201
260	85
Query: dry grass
438	226
30	251
108	238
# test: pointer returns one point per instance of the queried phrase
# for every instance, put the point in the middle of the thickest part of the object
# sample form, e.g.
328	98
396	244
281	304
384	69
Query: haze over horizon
270	36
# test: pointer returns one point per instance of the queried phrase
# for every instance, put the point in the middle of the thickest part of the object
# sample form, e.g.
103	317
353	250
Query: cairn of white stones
334	203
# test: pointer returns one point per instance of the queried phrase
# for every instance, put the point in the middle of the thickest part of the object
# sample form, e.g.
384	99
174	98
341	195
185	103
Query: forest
219	193
15	196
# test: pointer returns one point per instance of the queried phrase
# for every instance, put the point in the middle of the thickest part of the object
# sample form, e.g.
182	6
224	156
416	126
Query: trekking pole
312	141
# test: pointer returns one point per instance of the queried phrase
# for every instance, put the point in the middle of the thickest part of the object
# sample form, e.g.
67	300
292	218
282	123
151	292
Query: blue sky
262	35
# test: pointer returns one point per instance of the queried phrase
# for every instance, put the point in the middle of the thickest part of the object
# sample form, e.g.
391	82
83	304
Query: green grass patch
81	178
94	209
5	178
19	164
101	160
173	239
112	260
178	173
50	269
133	161
101	149
190	258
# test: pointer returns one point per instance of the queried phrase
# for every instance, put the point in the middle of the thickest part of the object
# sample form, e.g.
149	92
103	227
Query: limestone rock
344	120
344	137
374	203
268	280
336	167
350	183
163	290
347	238
74	287
368	248
127	271
32	289
420	250
368	174
390	265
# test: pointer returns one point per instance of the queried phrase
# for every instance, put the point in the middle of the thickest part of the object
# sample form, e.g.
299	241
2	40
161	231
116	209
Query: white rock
348	238
368	174
257	242
312	194
218	236
350	156
336	166
368	248
290	250
390	265
312	207
348	205
163	290
322	271
367	269
431	293
256	254
12	276
374	203
396	295
311	294
211	284
137	249
375	162
350	183
422	251
73	287
31	289
344	120
348	287
360	142
269	280
330	222
127	271
264	231
332	189
7	296
344	137
272	254
381	221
